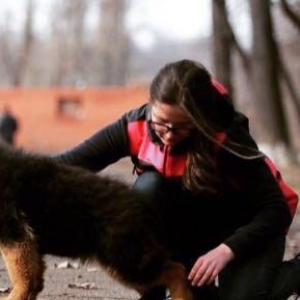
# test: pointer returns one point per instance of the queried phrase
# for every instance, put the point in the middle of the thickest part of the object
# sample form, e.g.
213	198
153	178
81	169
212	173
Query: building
52	120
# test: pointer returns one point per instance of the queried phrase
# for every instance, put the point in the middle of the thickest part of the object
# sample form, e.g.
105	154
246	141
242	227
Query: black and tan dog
50	208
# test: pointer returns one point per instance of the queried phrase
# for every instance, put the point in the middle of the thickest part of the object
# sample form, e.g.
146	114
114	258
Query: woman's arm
103	148
262	194
271	214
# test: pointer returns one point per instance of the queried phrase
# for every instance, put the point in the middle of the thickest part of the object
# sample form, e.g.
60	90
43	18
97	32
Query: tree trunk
222	44
21	60
114	42
68	29
293	17
271	125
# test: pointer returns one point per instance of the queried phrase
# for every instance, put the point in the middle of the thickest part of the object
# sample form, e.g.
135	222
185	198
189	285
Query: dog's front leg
175	279
25	268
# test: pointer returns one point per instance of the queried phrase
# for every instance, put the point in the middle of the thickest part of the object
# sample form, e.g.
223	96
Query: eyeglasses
163	128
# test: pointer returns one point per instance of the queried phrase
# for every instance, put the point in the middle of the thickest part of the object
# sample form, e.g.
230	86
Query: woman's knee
152	185
253	278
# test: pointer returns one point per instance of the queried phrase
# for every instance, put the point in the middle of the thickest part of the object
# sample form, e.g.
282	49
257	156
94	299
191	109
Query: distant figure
8	126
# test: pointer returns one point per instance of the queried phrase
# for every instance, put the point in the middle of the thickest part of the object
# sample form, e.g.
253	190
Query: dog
47	207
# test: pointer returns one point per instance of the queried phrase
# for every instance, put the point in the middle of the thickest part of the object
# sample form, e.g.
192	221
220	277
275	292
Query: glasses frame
164	128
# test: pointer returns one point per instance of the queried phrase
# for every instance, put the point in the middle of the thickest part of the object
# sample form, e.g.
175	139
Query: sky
179	19
146	19
184	20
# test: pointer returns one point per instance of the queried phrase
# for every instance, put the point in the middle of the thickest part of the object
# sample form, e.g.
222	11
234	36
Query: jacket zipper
166	150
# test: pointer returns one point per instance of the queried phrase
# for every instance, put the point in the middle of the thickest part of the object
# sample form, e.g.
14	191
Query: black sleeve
271	215
103	148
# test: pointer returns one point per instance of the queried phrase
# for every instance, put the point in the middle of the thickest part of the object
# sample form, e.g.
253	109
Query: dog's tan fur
25	269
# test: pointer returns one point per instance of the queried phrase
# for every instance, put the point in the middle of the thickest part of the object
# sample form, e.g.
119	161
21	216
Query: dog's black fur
50	208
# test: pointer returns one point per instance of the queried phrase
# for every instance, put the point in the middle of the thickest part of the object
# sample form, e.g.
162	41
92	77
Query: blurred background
70	67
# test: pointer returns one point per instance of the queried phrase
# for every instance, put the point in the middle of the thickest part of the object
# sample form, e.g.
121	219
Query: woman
225	214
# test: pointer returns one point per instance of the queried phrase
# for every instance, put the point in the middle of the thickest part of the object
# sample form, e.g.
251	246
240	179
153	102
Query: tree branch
243	55
290	86
293	17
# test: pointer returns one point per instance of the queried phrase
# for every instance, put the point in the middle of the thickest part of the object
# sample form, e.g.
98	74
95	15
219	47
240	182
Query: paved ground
66	280
74	281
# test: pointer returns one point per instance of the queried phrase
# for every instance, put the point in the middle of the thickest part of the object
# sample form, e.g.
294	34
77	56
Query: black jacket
252	210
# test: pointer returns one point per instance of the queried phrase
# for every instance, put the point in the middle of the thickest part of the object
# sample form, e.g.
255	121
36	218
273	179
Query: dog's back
73	212
47	207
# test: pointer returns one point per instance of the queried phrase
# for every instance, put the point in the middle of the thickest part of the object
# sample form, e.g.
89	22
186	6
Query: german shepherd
47	207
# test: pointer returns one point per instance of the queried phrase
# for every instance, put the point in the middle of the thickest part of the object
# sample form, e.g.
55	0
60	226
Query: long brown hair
188	84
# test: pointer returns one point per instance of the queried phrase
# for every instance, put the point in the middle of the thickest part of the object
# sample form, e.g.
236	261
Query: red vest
169	165
290	195
150	153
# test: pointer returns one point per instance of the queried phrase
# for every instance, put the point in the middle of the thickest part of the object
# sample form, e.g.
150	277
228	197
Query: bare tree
68	29
222	44
271	120
288	80
290	85
15	53
7	43
26	45
225	41
294	18
114	42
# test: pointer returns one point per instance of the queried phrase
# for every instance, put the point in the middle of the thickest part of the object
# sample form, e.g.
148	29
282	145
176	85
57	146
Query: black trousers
260	277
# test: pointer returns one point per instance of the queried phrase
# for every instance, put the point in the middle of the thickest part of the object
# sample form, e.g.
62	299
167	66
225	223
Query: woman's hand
209	265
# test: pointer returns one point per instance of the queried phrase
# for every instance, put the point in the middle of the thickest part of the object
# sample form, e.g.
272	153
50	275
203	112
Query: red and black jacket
258	208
